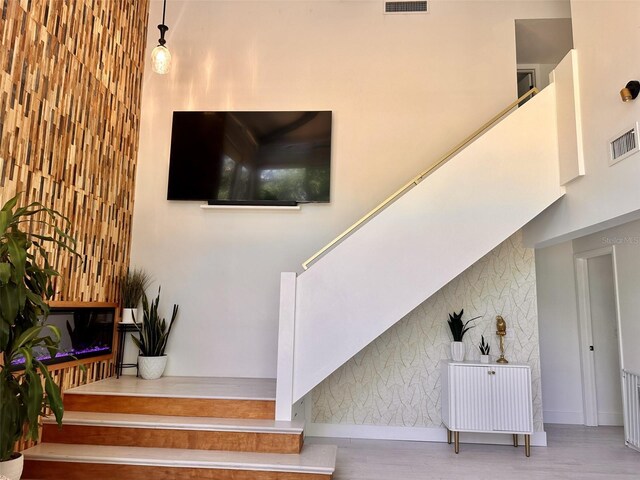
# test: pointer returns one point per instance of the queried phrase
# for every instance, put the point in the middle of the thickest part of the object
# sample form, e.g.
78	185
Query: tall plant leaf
27	234
153	332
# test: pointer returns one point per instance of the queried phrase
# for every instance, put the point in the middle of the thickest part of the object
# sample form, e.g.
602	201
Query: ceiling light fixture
630	91
161	56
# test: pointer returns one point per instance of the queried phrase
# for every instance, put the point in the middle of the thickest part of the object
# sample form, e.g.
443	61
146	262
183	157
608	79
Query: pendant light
160	56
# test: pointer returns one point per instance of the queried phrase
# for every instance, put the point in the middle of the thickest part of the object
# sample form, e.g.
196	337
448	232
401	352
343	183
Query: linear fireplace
87	330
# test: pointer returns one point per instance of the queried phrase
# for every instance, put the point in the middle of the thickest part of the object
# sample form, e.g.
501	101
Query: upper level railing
417	179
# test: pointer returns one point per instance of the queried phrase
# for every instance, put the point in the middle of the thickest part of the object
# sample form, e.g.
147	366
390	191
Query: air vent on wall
406	7
623	145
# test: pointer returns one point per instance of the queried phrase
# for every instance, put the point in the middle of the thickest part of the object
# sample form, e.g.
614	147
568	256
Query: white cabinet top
471	363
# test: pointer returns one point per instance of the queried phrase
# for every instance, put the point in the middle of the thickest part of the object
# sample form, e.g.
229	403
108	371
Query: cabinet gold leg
448	436
456	441
515	439
527	445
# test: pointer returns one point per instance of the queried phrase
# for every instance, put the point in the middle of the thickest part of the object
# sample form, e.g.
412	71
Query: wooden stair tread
319	459
182	387
179	422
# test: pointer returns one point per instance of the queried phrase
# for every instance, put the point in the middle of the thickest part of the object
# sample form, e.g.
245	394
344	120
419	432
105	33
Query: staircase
175	427
418	240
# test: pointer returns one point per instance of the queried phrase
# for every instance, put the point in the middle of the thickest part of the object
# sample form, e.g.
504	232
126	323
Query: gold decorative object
501	331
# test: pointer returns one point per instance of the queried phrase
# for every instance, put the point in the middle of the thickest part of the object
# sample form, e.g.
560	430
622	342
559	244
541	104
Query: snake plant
457	326
484	347
154	331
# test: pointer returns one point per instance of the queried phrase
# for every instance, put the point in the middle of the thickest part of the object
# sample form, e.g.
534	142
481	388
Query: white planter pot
484	358
128	313
12	469
457	351
151	368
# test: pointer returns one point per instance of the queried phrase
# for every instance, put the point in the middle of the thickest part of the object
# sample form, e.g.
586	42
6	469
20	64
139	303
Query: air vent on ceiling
406	7
623	145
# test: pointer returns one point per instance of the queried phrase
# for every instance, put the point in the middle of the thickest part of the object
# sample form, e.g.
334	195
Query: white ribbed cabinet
487	398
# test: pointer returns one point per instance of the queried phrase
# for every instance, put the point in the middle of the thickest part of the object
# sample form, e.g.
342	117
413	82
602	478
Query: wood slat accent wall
74	375
70	86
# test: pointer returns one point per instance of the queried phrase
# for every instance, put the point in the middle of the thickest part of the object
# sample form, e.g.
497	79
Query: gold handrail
416	180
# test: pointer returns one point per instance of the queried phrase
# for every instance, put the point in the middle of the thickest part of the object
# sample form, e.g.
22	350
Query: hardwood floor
573	452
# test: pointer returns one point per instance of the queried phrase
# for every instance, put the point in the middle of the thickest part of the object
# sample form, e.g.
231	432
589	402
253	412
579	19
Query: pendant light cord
162	27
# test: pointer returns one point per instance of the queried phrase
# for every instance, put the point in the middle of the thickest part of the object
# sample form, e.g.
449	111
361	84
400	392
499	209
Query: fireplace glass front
86	332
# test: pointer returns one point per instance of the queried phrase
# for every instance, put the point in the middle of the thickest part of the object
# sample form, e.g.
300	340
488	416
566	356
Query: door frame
587	357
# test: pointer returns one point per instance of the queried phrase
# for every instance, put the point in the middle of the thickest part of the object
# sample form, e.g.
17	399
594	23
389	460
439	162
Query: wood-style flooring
573	452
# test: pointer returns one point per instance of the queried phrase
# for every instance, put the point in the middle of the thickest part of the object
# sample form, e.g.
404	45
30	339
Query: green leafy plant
26	284
457	326
132	287
154	331
484	347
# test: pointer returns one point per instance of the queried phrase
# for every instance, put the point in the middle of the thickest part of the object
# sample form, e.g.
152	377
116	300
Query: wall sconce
160	56
630	91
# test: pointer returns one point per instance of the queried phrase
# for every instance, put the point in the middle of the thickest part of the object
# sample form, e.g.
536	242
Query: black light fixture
630	91
160	56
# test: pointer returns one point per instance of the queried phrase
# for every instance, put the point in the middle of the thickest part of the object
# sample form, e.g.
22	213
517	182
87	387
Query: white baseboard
420	434
614	419
567	418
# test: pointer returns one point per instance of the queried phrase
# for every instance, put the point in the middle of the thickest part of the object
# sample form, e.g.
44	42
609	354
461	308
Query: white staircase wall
425	239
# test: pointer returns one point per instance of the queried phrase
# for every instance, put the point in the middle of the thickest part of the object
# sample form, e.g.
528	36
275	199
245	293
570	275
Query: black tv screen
250	158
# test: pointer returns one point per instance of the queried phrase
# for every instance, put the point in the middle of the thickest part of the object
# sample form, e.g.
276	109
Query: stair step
177	396
52	461
160	431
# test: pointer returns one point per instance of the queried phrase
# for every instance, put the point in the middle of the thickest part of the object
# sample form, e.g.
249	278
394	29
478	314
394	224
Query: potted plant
458	329
132	287
26	284
484	348
154	333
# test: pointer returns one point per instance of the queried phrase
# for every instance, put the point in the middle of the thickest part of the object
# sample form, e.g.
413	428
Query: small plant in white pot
484	348
458	329
132	287
154	334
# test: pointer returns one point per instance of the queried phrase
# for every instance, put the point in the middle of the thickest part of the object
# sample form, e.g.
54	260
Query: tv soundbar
256	203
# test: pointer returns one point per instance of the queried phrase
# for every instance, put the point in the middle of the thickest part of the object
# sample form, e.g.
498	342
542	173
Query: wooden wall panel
73	375
70	86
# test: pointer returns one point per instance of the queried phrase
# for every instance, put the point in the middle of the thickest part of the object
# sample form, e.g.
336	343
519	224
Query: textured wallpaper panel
395	380
70	86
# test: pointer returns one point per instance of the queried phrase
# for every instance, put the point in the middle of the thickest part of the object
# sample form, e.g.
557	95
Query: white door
604	328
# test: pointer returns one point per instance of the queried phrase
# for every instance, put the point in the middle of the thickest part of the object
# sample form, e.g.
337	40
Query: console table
487	398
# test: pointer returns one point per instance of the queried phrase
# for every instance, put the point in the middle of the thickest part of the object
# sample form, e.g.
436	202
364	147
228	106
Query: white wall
399	90
395	380
558	317
606	42
606	35
558	324
626	240
425	239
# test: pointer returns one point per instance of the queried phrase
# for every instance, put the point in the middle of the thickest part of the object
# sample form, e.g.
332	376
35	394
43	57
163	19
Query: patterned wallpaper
395	380
70	86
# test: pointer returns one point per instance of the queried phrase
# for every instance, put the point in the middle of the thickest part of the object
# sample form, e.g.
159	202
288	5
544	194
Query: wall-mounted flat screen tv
252	158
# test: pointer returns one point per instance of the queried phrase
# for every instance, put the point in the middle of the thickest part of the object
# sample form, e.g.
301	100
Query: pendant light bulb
161	59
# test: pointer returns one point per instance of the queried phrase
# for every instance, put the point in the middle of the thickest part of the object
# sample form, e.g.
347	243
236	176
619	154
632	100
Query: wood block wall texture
73	375
70	87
